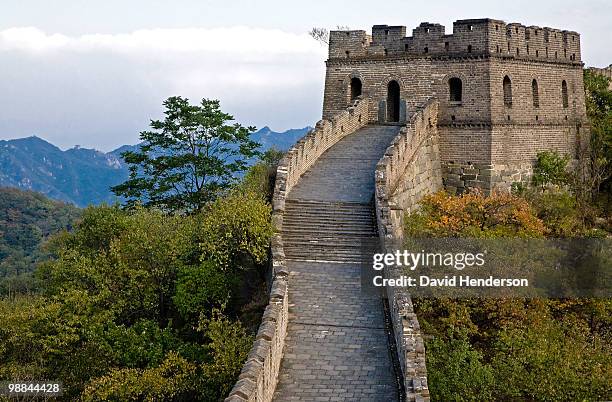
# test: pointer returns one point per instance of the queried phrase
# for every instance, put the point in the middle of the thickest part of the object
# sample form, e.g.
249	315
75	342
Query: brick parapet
409	170
473	37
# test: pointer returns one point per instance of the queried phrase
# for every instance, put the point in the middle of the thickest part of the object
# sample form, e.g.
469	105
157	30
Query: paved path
336	346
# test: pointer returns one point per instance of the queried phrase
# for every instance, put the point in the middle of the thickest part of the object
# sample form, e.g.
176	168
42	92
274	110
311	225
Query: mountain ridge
83	176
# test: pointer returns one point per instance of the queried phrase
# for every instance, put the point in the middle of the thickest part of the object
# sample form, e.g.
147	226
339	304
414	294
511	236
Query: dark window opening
469	48
537	53
564	95
355	88
565	53
386	32
386	52
393	102
507	91
455	89
517	51
446	46
406	47
348	54
555	55
497	48
535	93
426	50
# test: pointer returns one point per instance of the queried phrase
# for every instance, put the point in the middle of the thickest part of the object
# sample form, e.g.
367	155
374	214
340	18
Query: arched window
355	88
393	102
507	91
455	89
564	94
535	93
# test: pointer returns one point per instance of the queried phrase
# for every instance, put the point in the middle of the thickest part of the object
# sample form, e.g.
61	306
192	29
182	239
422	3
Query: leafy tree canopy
188	158
598	98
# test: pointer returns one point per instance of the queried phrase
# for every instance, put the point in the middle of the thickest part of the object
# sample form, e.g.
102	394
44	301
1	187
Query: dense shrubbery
512	349
143	305
128	304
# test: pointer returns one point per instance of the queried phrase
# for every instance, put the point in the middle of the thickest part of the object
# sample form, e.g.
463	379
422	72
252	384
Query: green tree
550	168
598	98
188	158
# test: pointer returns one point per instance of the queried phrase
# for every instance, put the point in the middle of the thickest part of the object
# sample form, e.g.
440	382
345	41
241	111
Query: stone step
329	232
315	248
346	208
291	216
316	225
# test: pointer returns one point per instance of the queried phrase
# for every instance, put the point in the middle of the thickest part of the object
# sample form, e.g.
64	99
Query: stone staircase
336	347
326	231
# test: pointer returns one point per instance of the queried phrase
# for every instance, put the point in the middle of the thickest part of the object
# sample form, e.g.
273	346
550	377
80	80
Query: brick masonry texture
480	127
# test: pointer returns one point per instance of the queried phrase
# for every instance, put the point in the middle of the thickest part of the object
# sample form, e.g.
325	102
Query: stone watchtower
506	91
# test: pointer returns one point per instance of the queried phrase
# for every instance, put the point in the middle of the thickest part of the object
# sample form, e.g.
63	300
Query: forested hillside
27	219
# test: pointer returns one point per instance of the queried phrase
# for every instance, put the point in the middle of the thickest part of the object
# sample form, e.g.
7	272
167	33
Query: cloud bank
100	90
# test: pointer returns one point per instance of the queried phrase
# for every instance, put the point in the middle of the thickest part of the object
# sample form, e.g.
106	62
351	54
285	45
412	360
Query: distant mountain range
84	176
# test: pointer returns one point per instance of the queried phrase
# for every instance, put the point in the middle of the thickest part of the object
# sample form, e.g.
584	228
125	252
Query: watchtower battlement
470	38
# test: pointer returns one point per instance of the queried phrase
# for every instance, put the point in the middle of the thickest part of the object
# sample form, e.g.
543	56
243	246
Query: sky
93	73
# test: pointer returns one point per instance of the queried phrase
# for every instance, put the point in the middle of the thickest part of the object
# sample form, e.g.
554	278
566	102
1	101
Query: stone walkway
336	347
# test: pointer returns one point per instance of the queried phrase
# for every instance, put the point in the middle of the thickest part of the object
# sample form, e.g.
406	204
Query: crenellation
346	44
489	37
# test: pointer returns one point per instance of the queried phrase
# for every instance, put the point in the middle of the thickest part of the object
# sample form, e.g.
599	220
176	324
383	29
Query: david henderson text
452	281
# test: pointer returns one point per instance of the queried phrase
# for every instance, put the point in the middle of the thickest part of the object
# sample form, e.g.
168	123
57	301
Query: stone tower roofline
472	37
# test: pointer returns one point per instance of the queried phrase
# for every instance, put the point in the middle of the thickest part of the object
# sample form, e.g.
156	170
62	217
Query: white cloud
101	89
237	40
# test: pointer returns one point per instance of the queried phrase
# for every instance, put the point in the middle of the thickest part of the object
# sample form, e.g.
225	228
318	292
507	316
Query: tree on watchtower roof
188	159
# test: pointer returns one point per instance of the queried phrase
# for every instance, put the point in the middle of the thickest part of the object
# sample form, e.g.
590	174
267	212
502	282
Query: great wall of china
403	117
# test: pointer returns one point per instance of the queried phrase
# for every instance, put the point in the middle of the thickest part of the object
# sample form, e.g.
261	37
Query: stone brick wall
409	170
259	375
481	128
419	78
